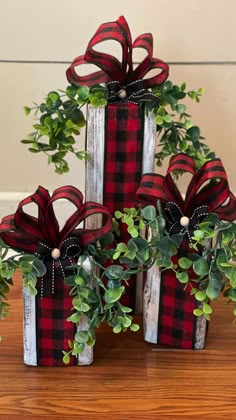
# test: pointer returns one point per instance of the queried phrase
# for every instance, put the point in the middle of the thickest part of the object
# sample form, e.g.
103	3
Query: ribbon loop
41	235
111	69
208	191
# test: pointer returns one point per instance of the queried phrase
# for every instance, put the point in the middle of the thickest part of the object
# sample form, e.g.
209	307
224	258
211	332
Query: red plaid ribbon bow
208	191
42	235
123	81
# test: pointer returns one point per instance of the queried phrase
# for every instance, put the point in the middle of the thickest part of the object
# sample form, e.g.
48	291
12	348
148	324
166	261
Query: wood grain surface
130	379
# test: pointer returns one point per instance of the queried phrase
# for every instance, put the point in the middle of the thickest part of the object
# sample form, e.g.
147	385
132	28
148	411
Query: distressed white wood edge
151	298
200	332
29	328
148	165
86	357
201	322
95	147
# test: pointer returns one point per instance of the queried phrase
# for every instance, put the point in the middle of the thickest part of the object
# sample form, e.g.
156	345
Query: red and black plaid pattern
24	232
123	163
111	69
209	188
52	328
176	324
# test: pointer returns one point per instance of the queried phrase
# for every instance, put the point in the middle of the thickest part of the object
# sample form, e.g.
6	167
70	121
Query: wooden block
95	167
29	328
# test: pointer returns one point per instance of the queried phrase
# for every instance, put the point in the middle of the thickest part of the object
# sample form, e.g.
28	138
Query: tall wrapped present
168	306
121	138
46	329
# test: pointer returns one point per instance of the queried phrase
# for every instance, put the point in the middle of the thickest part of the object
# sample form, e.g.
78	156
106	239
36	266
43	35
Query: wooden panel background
38	39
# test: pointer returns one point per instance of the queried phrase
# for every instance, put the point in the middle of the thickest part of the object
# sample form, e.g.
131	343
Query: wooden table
129	379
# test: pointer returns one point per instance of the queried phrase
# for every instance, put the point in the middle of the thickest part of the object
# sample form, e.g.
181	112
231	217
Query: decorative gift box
121	138
47	331
168	309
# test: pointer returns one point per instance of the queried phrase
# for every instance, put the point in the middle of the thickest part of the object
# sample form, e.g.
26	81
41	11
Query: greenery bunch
206	266
102	271
97	290
60	119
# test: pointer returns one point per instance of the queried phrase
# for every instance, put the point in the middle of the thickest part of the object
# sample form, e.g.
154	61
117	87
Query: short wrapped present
169	304
47	332
121	138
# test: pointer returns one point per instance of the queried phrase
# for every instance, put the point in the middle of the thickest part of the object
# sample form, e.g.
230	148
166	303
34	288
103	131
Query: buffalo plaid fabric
123	164
52	329
176	325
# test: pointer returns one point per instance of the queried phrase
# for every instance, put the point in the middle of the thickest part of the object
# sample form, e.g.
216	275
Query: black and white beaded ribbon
57	259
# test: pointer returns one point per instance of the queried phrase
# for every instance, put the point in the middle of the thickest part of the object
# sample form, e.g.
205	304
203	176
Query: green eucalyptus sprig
97	291
150	243
60	119
60	122
176	132
208	269
213	267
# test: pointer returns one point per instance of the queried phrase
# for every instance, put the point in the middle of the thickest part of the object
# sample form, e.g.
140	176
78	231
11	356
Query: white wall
40	38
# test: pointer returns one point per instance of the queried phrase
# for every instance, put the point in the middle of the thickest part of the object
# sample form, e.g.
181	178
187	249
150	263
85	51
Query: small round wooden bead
55	253
184	221
122	94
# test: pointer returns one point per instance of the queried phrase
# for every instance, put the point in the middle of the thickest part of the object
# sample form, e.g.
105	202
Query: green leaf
66	358
201	267
85	307
185	263
116	255
83	92
117	329
114	272
79	280
27	110
194	133
113	295
207	309
78	348
82	336
232	294
149	213
106	240
70	280
127	322
39	268
182	277
121	247
134	327
159	120
167	118
198	312
53	96
180	108
118	214
212	292
125	309
200	295
133	232
75	318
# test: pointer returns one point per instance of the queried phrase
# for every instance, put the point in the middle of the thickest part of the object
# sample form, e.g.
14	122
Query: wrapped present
46	329
168	307
121	138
